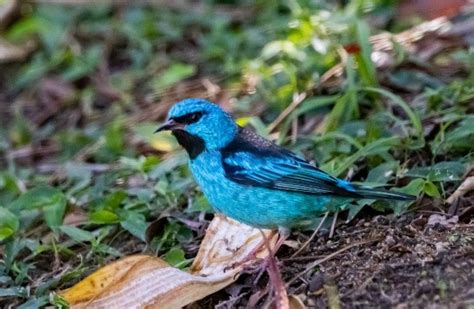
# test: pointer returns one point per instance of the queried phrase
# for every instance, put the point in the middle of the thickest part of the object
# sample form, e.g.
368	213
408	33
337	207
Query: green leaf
344	110
36	198
171	76
9	223
83	64
200	204
464	130
431	189
114	137
376	147
308	105
175	257
77	234
382	173
354	210
108	250
9	189
136	224
12	248
442	171
103	217
17	291
458	139
24	28
6	232
113	200
54	213
415	187
37	302
51	200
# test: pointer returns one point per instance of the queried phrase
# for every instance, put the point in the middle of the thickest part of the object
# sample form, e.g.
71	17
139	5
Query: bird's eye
189	118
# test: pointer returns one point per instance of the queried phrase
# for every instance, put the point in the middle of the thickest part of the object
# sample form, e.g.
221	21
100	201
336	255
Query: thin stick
294	131
330	256
312	236
466	186
297	99
333	225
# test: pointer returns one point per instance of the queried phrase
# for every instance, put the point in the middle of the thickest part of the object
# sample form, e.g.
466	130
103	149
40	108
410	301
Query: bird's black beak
169	125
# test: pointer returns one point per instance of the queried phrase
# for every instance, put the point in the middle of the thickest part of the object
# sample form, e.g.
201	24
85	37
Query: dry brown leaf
10	52
436	219
143	281
8	9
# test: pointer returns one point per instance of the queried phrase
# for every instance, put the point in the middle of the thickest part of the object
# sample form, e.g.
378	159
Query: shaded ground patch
407	263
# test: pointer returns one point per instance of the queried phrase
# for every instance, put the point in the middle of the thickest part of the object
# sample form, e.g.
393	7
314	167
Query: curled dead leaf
143	281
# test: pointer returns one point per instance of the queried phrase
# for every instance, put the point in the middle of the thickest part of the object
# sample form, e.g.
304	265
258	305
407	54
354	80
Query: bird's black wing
252	160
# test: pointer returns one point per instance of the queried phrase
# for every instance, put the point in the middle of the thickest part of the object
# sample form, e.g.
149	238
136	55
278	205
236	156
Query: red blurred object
352	48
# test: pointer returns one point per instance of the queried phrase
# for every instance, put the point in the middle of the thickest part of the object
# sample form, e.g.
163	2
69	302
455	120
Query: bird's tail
378	194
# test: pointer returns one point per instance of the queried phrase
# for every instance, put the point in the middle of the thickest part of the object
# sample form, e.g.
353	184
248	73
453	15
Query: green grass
83	176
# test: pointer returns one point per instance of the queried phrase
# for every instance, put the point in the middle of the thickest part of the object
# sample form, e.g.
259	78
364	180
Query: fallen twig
297	99
333	225
466	186
92	167
310	239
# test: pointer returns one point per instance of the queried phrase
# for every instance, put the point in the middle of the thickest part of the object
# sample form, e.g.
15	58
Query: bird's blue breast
253	205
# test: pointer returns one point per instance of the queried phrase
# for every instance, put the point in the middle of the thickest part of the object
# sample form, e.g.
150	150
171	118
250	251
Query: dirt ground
424	259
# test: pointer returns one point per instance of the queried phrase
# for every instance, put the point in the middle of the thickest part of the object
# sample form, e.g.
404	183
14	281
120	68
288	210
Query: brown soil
418	260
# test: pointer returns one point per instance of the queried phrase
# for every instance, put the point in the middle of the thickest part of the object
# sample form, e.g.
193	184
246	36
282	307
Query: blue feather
251	160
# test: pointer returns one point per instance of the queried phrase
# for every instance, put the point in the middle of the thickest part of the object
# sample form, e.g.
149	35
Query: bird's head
199	124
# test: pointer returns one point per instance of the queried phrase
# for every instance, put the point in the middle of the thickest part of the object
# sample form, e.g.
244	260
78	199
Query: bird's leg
271	265
284	234
310	239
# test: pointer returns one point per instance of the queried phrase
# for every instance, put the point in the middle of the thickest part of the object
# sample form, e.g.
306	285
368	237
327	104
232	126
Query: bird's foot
260	267
252	256
268	264
248	259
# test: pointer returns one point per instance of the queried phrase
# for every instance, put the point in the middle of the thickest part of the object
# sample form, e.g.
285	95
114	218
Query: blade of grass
414	119
375	147
364	61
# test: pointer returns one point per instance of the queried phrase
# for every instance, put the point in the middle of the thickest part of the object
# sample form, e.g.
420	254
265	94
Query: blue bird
252	180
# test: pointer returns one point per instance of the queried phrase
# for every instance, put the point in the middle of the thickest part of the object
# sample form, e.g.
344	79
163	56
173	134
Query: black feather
193	145
189	118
